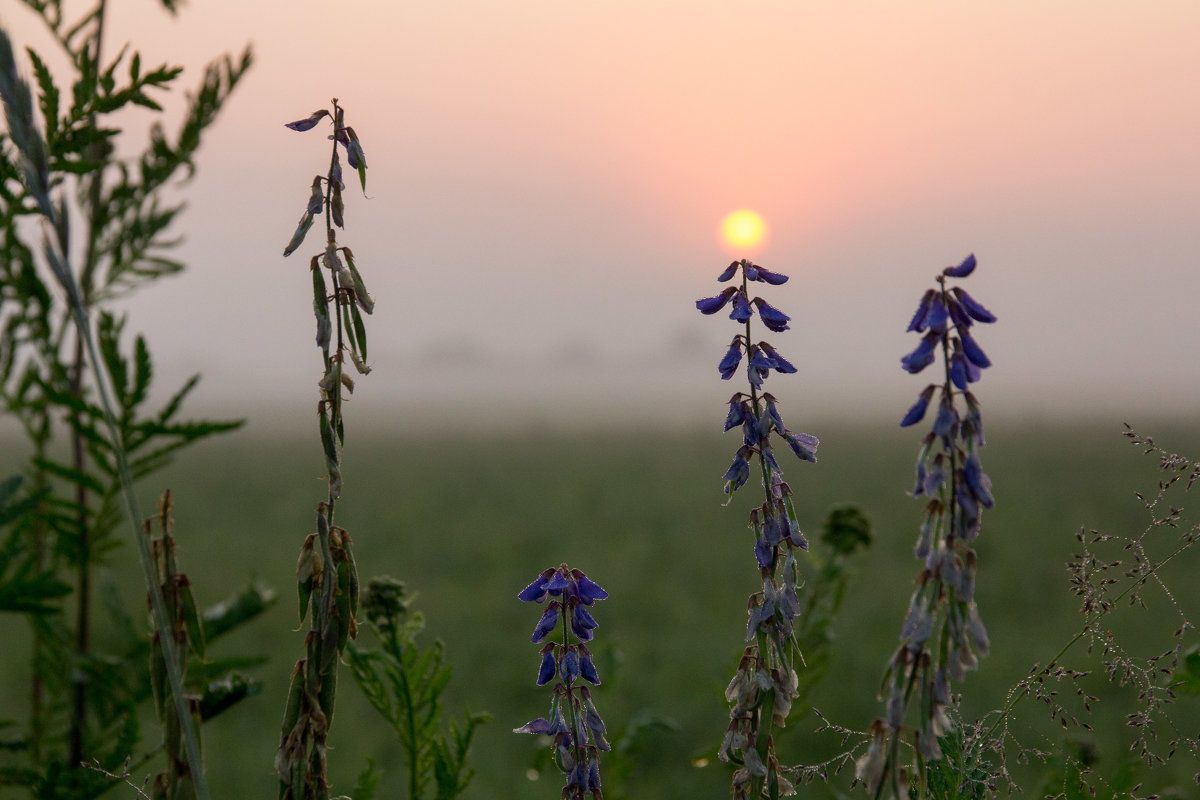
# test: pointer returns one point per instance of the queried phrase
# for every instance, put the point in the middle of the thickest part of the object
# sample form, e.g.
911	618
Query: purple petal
917	412
587	670
962	270
711	305
737	412
729	272
946	421
781	363
922	356
979	483
918	322
774	414
729	363
540	726
309	122
937	314
548	668
957	313
546	624
741	308
973	351
556	583
536	591
570	666
738	473
958	371
773	278
764	553
589	590
803	445
973	307
772	317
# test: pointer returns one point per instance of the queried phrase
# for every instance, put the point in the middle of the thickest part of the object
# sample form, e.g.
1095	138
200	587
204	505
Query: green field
467	521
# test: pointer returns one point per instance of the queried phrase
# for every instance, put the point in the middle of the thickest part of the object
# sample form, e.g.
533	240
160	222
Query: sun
743	233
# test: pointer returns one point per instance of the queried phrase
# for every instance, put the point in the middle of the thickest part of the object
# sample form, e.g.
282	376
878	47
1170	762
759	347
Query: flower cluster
573	722
765	684
942	635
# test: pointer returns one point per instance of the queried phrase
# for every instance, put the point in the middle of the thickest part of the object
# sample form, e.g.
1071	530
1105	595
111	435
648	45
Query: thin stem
566	623
1011	704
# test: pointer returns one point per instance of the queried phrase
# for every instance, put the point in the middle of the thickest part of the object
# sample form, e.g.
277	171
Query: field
468	520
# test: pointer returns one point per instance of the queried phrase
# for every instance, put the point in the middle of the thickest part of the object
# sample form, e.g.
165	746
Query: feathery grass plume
573	723
942	636
1118	574
326	574
765	684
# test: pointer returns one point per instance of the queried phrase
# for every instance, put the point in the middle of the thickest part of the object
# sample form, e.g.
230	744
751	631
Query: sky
546	179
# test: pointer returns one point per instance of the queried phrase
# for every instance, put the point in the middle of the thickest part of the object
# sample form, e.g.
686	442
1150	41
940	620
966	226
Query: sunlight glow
743	233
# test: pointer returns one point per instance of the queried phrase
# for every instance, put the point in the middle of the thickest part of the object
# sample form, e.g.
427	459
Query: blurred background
545	185
546	181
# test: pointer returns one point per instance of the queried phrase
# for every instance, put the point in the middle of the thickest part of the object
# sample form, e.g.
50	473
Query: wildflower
950	474
578	730
766	666
309	122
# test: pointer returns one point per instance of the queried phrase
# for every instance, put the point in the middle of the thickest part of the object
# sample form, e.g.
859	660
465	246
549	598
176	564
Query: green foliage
404	683
108	228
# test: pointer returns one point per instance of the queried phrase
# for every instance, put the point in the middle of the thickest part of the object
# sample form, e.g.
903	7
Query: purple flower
738	473
922	357
536	591
781	363
549	667
918	322
547	623
917	412
741	308
729	272
772	317
540	726
773	278
733	357
947	420
979	483
582	623
737	411
587	670
309	122
588	591
804	445
973	351
958	370
958	314
962	270
972	306
937	314
570	666
773	413
711	305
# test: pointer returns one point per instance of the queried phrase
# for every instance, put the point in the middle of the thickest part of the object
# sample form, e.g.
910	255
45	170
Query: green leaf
236	610
77	477
220	695
368	782
27	592
191	620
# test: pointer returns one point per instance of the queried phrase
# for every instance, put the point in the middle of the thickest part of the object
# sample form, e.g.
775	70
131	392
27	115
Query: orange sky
546	179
